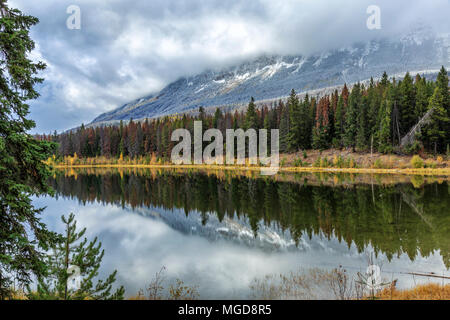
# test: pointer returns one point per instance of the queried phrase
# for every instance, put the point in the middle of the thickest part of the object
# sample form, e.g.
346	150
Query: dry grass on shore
430	291
332	160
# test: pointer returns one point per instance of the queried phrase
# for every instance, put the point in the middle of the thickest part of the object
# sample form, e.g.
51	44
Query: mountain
271	77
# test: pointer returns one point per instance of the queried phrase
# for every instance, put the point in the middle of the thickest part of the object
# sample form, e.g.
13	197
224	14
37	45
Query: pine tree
284	130
251	117
321	130
351	122
69	251
384	80
436	131
393	101
442	84
22	170
363	133
422	97
305	124
407	104
217	118
293	106
339	123
384	132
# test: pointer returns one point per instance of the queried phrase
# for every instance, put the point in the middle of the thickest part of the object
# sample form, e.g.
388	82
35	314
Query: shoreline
400	171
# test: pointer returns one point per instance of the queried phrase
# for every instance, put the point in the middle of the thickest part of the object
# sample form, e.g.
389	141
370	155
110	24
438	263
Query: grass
332	160
408	171
430	291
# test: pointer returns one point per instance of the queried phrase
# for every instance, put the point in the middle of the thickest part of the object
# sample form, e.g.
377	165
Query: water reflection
221	230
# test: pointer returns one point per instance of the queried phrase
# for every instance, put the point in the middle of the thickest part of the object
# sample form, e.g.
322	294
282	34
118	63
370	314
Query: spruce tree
351	122
251	117
436	131
284	130
442	84
70	251
305	124
384	132
293	106
363	133
217	118
422	97
407	104
339	123
321	129
22	170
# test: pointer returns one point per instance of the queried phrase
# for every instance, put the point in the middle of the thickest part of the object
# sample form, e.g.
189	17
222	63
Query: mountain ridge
268	78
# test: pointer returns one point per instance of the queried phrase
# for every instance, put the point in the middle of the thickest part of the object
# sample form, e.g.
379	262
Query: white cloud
124	51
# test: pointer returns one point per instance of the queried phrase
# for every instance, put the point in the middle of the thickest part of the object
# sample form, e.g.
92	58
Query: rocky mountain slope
272	77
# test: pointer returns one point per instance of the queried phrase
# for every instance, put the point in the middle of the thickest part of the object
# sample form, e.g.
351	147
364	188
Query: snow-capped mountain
272	77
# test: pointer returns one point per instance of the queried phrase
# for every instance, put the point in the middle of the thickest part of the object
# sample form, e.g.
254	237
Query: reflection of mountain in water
235	230
392	219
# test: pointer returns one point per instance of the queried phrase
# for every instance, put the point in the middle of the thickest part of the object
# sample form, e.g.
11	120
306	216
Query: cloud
124	51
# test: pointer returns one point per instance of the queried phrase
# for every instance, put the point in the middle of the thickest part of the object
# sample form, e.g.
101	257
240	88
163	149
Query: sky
129	49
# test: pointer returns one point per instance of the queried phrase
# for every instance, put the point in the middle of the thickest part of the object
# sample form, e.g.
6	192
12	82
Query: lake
219	230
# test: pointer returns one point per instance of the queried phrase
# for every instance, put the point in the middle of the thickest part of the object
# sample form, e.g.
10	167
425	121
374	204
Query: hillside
271	77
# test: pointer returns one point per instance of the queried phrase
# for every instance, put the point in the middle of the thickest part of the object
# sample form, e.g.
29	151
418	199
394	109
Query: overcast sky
128	49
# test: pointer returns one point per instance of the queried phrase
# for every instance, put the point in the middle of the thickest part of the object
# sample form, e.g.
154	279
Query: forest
374	117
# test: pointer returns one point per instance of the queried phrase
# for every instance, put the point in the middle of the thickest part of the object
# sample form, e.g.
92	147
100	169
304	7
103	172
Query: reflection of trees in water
393	219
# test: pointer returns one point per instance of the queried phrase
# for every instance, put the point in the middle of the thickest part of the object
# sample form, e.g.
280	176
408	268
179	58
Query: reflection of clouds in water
138	247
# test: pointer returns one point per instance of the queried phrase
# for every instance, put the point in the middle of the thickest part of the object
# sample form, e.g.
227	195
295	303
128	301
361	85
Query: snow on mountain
271	77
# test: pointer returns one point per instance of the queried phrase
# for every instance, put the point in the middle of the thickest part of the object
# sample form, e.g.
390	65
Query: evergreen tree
442	84
22	171
384	132
384	80
339	123
362	136
351	122
284	130
87	257
305	124
251	117
293	106
393	101
407	104
217	118
422	97
373	103
322	124
436	131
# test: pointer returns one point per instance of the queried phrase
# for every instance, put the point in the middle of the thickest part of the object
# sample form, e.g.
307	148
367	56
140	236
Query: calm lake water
221	230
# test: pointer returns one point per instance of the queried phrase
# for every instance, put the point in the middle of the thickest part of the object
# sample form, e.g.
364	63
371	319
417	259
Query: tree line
366	118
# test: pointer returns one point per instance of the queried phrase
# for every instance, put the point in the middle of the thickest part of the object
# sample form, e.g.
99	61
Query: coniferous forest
374	117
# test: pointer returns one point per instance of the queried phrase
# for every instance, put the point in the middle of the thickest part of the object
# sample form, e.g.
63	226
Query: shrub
298	163
317	162
352	163
429	163
305	155
413	148
417	162
378	164
338	162
324	163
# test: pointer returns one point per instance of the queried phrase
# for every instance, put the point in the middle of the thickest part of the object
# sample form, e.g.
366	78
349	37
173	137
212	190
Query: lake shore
331	161
406	171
